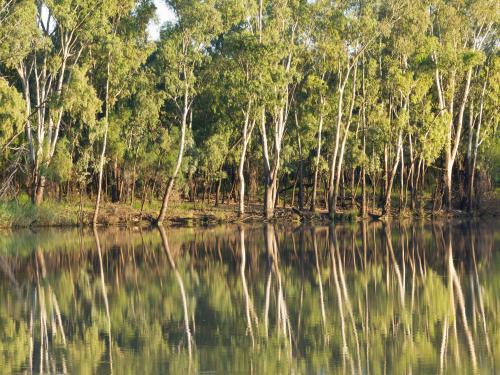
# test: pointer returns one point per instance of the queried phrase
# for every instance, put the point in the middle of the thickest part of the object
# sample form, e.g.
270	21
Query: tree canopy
346	105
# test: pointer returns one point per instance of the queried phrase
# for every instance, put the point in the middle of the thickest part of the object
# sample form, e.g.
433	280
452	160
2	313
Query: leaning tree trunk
333	170
318	153
280	120
171	180
300	174
453	134
411	174
247	133
103	152
477	143
42	142
340	162
316	163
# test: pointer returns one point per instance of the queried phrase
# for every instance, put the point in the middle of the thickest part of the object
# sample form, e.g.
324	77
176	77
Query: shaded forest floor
21	213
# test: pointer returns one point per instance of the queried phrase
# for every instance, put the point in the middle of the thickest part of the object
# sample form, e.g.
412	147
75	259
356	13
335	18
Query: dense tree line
345	104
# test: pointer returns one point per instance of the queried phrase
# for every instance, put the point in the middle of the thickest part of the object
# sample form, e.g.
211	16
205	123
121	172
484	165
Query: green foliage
214	151
80	98
18	31
61	165
435	140
491	159
12	111
23	213
74	73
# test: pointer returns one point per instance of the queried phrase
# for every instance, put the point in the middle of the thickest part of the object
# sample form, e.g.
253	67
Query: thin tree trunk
353	193
386	171
411	176
171	180
132	193
143	199
364	203
103	152
453	142
387	200
364	206
217	191
270	172
247	134
318	158
344	141
292	203
301	169
401	182
477	143
333	163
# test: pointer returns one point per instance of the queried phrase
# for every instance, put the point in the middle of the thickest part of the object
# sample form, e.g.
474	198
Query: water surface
370	298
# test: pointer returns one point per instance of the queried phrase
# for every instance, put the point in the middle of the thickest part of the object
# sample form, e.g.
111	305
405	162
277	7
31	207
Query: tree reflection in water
368	298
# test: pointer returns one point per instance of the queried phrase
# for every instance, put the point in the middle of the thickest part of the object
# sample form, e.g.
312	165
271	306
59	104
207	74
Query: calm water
371	299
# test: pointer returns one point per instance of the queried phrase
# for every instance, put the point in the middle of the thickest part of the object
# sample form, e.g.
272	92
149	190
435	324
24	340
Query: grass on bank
22	213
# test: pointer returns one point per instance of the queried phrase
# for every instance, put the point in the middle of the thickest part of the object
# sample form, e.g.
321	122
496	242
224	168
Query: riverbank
23	214
16	214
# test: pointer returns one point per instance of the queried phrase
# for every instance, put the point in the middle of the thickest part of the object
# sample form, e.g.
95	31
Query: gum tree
181	52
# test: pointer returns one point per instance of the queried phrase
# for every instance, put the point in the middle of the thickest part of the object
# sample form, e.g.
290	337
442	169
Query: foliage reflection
371	298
